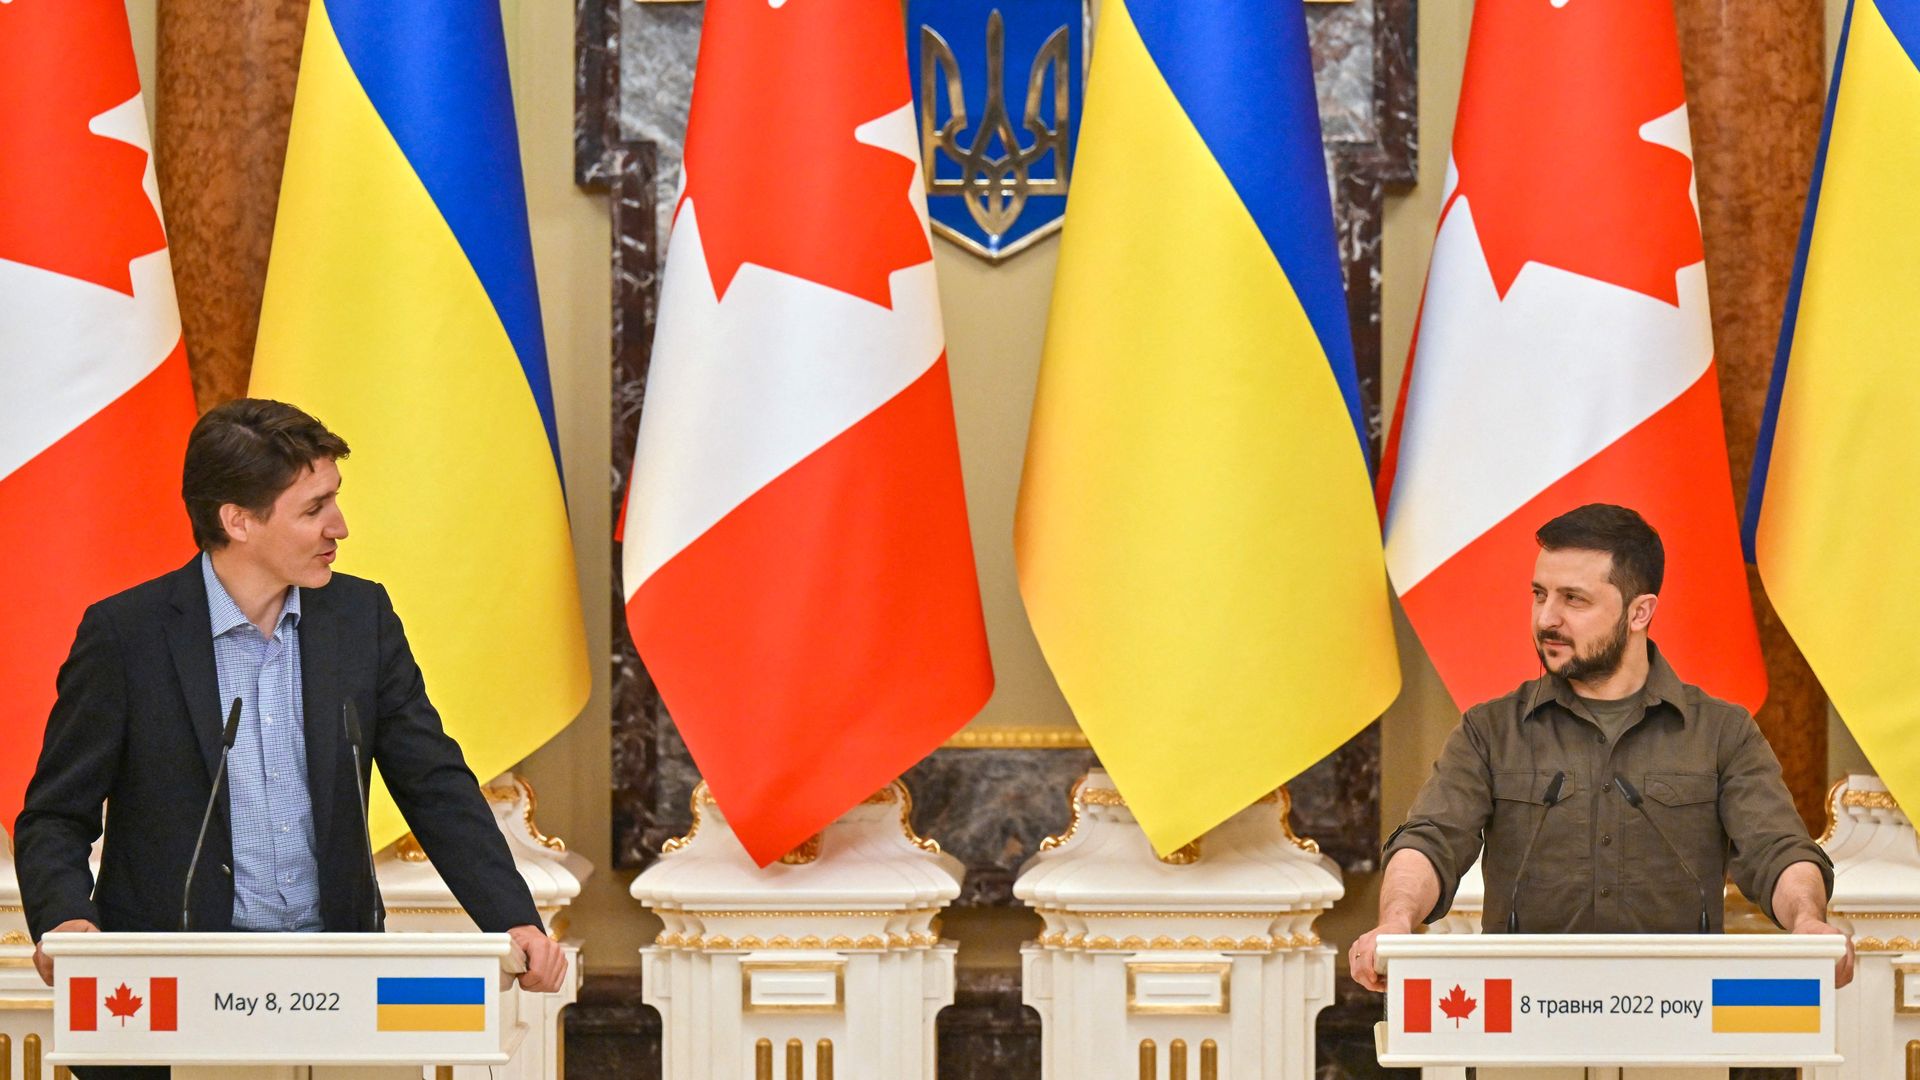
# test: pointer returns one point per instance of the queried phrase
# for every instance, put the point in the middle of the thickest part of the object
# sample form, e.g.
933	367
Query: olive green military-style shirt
1707	777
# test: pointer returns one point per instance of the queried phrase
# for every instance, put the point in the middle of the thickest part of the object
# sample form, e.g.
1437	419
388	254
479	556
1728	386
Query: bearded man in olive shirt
1570	753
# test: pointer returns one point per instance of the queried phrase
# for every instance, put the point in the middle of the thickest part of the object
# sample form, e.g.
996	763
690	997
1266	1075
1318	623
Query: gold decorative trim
1901	974
1103	797
1833	822
1306	844
1089	913
1073	823
1894	916
1185	855
699	797
729	913
408	849
1018	739
751	943
12	909
1191	943
1875	945
926	844
1869	800
15	937
1220	969
26	1004
15	962
1913	1059
519	783
838	967
808	851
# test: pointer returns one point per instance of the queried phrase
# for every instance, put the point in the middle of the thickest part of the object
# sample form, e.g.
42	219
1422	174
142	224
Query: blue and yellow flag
1766	1005
1197	543
430	1004
401	310
1833	505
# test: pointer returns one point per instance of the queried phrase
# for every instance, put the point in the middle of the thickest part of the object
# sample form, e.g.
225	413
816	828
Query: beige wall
994	318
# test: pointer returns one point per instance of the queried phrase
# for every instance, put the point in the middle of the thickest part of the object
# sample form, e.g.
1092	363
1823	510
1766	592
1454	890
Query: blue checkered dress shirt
276	882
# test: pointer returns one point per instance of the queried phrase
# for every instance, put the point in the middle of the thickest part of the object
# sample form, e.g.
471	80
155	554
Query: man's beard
1599	664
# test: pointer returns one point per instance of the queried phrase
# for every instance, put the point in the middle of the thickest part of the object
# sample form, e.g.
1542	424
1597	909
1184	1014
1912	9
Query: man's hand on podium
43	963
1800	905
546	960
1843	968
1360	958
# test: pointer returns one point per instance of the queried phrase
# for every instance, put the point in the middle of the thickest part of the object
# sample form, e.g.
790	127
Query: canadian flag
95	400
1564	353
120	1006
1491	1012
798	569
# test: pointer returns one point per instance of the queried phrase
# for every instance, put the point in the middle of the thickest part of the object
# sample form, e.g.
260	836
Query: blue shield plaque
997	87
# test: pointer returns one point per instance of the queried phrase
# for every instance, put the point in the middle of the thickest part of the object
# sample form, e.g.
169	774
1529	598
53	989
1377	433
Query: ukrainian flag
1198	548
401	309
1766	1005
432	1004
1833	506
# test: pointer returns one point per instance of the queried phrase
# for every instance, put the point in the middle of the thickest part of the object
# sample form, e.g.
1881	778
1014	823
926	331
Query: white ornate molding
1207	957
828	961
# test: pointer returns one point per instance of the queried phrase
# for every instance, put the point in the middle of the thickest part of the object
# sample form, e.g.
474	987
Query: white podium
1682	1000
279	999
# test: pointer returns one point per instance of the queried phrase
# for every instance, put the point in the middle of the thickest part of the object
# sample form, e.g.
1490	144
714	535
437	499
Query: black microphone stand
219	777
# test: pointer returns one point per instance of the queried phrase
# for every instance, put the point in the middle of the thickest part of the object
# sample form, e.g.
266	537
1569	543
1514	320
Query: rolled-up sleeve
1449	816
1763	829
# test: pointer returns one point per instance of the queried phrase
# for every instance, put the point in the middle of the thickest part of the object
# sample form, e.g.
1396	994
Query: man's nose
338	530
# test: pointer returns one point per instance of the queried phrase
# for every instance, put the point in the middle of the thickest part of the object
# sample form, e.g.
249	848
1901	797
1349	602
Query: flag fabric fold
797	562
1564	353
95	399
1196	542
401	308
1832	503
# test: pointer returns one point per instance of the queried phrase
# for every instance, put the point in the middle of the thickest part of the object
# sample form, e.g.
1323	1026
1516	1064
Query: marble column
224	97
1756	86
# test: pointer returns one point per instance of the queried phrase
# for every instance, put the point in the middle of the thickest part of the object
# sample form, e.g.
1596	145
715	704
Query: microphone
350	720
219	777
1634	800
1555	787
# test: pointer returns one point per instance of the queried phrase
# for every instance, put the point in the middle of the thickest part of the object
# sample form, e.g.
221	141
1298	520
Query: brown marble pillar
1756	86
223	97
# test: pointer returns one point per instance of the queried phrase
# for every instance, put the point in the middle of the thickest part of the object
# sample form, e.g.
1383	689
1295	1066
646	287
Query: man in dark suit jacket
144	694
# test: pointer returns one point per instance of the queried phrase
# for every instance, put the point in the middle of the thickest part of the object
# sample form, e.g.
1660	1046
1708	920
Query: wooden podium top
1609	999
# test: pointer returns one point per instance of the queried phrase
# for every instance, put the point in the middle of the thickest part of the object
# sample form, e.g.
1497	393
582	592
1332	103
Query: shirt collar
225	614
1663	686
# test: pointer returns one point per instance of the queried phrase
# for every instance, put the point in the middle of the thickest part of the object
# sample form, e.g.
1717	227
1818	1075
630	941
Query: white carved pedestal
1876	897
417	899
1200	966
26	1003
824	964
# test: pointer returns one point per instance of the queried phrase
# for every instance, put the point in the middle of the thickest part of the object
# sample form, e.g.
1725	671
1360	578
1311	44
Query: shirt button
1605	890
289	880
1601	739
1605	841
1608	786
273	774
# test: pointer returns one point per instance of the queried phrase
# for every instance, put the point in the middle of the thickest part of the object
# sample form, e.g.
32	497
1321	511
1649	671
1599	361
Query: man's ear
236	521
1640	612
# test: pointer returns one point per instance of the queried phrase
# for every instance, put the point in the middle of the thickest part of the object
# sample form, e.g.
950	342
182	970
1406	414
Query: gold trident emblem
995	181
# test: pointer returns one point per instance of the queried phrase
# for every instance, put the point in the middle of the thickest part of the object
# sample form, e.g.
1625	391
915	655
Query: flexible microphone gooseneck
1555	788
1634	800
350	720
219	777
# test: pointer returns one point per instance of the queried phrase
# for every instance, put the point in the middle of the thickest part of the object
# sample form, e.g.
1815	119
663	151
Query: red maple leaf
1548	142
1457	1005
122	1003
70	201
772	165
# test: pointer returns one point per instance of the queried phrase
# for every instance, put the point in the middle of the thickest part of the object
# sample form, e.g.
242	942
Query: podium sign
277	999
1609	999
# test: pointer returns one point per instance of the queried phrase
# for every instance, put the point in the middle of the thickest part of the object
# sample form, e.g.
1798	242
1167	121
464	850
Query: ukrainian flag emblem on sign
1766	1005
432	1005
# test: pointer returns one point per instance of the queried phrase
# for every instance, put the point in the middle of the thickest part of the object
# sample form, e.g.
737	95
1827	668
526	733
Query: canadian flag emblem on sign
1485	1005
152	1004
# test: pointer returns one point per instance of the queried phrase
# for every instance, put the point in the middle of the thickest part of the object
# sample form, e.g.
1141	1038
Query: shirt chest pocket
1529	786
1681	790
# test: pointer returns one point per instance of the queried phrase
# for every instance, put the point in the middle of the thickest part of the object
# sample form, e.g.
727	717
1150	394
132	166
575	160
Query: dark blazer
137	726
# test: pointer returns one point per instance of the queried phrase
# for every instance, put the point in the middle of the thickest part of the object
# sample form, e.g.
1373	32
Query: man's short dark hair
247	452
1639	560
